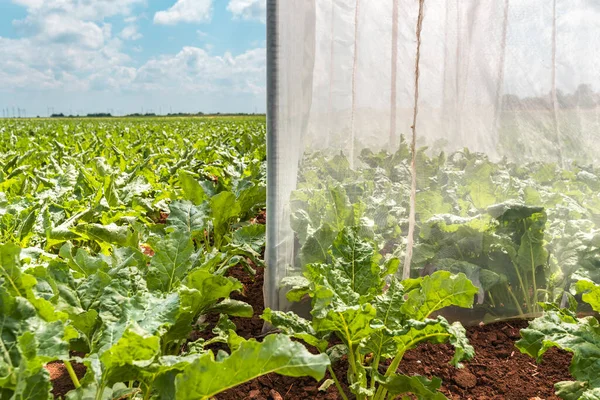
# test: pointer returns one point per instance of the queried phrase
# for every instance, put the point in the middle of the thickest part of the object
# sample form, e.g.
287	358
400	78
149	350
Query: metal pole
271	273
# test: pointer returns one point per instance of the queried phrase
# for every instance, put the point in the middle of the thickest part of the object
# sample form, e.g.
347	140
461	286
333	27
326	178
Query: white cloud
130	32
27	64
61	28
95	10
248	9
185	11
68	53
194	70
63	42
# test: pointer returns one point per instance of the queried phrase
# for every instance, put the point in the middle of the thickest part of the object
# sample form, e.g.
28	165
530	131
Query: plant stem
337	383
100	392
523	287
491	298
101	387
381	391
515	300
72	374
532	265
375	369
148	390
352	362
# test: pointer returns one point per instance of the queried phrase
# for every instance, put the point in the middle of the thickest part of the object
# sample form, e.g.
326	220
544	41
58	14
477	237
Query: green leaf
234	308
212	287
389	306
206	377
133	351
420	386
44	342
435	331
192	190
110	192
111	233
430	203
16	283
591	293
299	287
154	313
359	262
33	385
187	217
569	390
170	262
82	261
580	336
315	249
293	325
352	324
224	207
90	392
85	322
252	236
251	198
479	186
439	290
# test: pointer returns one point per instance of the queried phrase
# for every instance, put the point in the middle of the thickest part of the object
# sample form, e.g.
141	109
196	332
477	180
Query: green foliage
115	239
581	336
374	323
277	353
521	233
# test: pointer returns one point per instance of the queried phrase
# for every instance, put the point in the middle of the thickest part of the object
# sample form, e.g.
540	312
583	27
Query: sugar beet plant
521	233
129	324
581	336
356	299
115	241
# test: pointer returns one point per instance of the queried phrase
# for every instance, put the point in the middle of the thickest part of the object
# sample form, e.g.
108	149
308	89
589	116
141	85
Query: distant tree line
140	115
583	97
92	115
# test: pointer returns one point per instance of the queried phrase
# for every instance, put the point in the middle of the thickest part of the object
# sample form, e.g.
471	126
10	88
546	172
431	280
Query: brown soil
261	218
252	294
498	371
61	381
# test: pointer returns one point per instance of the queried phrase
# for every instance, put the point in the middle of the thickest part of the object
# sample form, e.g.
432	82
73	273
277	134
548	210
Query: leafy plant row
562	328
521	233
115	242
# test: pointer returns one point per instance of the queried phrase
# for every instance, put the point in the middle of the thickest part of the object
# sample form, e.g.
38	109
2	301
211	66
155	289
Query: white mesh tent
501	181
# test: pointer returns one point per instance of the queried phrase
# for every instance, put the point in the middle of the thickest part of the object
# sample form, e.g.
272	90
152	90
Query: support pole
271	273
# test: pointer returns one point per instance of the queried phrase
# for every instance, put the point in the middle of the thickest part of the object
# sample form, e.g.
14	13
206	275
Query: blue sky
80	56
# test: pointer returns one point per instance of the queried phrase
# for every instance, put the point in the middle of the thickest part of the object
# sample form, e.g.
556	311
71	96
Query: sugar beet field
132	264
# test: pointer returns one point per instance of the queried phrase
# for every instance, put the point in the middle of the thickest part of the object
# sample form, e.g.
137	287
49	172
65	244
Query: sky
126	56
161	56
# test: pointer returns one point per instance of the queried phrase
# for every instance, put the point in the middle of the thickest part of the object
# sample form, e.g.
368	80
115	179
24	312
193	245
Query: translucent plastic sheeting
507	187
